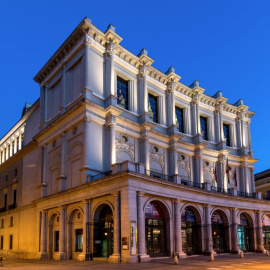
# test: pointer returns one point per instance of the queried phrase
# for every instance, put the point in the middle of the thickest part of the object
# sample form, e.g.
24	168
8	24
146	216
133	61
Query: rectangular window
152	109
18	144
22	140
15	172
122	93
15	196
10	242
226	131
2	157
9	150
56	241
5	201
179	119
79	240
203	121
11	222
2	242
5	156
6	177
2	223
13	147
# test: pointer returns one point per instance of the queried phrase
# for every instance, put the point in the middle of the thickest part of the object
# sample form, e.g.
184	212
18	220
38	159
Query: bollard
267	253
212	257
241	254
175	260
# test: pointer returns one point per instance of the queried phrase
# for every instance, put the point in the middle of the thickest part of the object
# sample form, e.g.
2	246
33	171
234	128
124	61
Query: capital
87	119
171	86
219	108
240	115
144	70
44	145
87	42
46	84
140	194
195	100
64	65
115	194
111	48
63	134
144	138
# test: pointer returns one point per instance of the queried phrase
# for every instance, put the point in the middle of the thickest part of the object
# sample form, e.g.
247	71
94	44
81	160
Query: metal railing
191	184
159	175
220	190
12	206
266	197
245	194
101	175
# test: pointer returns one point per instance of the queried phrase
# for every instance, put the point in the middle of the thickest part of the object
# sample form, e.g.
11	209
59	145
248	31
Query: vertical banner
133	238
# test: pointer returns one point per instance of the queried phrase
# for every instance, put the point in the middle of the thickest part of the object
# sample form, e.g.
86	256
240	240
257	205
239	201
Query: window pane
203	121
179	119
56	241
79	240
226	131
152	108
122	93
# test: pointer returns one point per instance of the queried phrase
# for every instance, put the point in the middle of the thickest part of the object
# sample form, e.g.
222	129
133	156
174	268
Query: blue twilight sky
223	44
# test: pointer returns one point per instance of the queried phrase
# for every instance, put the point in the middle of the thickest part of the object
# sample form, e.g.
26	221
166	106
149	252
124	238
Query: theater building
119	161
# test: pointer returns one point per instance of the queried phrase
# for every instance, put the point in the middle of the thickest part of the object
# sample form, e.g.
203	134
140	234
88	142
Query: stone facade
84	178
262	183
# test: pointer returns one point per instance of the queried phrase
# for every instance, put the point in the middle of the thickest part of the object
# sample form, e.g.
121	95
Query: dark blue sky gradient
223	44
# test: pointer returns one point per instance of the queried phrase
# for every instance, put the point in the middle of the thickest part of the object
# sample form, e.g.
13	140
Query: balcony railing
159	175
12	206
266	197
220	190
3	209
191	184
245	194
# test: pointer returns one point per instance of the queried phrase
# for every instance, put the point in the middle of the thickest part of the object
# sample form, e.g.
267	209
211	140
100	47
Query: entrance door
189	232
155	230
266	237
103	234
217	232
243	234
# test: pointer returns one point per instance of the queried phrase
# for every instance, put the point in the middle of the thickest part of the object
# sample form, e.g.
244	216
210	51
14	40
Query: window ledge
10	225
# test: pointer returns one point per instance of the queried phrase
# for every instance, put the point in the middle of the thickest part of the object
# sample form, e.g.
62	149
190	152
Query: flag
216	173
228	171
235	177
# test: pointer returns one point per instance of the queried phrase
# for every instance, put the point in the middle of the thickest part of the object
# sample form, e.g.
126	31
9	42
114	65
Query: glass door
189	237
266	237
243	235
218	238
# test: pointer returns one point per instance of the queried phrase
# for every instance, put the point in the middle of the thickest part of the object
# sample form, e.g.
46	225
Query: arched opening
123	156
155	230
189	231
53	246
103	231
75	234
184	175
220	232
243	233
266	231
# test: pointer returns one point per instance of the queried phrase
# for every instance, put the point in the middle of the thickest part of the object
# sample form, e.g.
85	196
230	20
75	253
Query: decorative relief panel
157	157
184	164
208	169
125	146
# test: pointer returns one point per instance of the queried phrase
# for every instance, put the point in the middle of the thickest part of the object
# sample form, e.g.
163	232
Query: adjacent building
120	161
262	183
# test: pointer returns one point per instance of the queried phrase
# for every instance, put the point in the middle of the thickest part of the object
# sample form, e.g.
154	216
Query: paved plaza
226	261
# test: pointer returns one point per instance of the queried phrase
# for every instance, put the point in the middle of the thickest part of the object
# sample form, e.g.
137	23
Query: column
15	144
62	251
243	132
10	148
144	73
210	129
64	65
249	137
169	106
83	256
232	135
6	151
234	231
131	95
43	236
198	166
115	258
199	131
252	181
141	229
218	138
208	237
44	176
221	124
45	102
239	136
87	44
173	107
145	149
178	233
20	140
112	142
259	236
1	151
63	160
248	187
111	51
161	110
193	118
87	140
